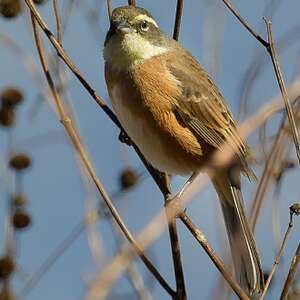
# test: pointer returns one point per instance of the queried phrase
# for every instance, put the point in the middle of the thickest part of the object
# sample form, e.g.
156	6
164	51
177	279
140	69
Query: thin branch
179	10
109	8
172	226
278	257
245	23
178	269
272	51
162	181
200	237
80	150
132	2
58	21
258	65
292	272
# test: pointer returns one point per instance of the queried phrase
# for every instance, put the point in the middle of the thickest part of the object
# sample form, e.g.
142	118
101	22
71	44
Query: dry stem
271	49
277	259
179	10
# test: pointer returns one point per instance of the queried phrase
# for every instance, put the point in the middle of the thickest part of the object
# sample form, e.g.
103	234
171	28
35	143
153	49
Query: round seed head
11	97
20	161
21	219
128	178
10	8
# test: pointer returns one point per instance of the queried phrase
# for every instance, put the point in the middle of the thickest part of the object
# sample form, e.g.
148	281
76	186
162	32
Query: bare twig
277	259
132	2
109	8
179	277
58	21
179	10
74	138
200	237
245	23
258	65
173	233
291	275
271	49
162	181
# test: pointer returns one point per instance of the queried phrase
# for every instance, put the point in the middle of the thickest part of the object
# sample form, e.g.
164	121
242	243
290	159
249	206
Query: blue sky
57	197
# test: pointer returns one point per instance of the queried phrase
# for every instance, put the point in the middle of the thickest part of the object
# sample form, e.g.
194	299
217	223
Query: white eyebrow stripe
146	18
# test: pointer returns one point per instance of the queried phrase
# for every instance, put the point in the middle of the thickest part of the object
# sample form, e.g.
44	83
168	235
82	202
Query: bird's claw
124	138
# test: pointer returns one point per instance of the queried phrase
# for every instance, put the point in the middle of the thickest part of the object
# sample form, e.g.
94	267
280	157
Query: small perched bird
175	114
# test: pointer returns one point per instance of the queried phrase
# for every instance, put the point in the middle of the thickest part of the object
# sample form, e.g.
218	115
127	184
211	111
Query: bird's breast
144	108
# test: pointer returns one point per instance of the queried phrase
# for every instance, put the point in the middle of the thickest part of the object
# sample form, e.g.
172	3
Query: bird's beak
122	26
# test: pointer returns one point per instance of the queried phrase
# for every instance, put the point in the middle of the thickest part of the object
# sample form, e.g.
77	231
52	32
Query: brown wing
201	106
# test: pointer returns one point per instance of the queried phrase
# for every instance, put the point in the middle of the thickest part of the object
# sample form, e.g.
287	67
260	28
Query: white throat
130	50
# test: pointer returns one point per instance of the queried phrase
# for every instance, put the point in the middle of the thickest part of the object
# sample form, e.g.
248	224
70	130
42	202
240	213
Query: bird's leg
186	185
173	202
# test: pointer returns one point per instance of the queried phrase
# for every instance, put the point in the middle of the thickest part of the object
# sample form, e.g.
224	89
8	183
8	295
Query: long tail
245	256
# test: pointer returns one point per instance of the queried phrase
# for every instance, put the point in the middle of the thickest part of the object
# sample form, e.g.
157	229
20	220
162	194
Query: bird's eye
144	25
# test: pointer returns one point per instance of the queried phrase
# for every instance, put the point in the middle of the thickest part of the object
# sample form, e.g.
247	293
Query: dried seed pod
21	219
11	97
128	178
10	8
7	117
20	161
19	200
6	267
295	209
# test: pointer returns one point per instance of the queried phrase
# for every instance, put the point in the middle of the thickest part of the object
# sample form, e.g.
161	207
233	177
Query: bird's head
133	37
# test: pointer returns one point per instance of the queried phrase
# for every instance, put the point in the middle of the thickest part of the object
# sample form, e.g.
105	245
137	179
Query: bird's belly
149	139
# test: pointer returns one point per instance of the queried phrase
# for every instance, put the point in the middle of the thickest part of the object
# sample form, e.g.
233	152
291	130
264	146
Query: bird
175	114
